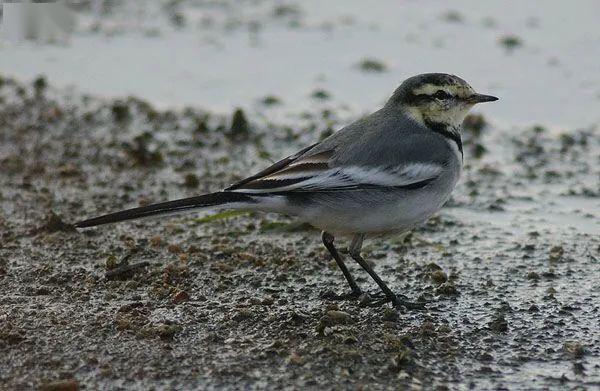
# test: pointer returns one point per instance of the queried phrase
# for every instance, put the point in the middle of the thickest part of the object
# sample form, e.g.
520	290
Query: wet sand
140	109
510	265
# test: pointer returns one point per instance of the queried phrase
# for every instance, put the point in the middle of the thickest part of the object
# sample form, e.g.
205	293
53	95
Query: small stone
254	300
180	297
43	291
578	368
447	289
40	84
433	266
174	249
372	65
295	359
438	277
338	317
156	241
201	126
111	262
144	201
533	276
574	349
550	274
12	337
271	100
364	300
191	181
556	253
167	332
389	314
68	170
60	385
453	17
120	111
479	150
243	314
529	247
239	130
474	123
178	19
267	301
511	42
499	324
287	10
403	359
331	318
427	329
534	308
320	95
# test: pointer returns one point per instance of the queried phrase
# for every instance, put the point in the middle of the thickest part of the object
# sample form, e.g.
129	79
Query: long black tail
203	201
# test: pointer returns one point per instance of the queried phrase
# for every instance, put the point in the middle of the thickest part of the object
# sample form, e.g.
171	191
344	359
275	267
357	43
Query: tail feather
203	201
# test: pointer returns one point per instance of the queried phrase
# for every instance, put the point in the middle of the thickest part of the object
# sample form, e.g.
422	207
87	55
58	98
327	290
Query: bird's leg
328	242
355	248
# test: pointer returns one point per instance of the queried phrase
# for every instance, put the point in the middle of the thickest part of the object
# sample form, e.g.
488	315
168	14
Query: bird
383	174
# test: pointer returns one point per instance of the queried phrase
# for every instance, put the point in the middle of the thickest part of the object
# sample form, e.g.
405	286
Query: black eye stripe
441	94
418	99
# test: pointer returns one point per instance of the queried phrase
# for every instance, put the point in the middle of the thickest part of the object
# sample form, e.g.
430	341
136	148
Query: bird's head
437	98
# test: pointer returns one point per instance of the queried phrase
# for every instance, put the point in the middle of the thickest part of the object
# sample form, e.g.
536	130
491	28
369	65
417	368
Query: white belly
405	213
372	212
401	211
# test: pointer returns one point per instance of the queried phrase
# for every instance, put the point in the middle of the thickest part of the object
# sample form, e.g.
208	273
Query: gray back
387	137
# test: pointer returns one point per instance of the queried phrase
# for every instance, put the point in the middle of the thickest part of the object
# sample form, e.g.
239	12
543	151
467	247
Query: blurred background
540	59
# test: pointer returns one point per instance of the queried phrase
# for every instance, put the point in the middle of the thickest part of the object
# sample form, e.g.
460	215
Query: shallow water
237	53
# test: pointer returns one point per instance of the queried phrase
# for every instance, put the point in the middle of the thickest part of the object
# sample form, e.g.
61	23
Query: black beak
480	98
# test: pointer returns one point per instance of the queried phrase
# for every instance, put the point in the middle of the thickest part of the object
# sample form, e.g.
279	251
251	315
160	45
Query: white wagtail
385	173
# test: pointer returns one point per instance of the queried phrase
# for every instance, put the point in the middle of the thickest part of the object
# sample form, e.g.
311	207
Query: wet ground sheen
511	265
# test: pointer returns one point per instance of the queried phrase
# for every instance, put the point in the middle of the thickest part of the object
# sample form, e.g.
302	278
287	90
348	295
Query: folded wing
306	172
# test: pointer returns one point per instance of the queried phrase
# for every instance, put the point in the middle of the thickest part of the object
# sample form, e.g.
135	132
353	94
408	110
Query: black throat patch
447	132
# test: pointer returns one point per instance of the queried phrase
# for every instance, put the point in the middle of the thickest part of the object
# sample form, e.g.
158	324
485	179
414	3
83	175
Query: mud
240	300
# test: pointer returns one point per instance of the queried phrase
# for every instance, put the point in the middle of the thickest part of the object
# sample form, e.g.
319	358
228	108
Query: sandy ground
510	265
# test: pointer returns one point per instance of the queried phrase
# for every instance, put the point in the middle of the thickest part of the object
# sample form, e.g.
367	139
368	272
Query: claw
375	300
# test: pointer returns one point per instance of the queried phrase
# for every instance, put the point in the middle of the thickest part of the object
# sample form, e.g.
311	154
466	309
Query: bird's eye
441	94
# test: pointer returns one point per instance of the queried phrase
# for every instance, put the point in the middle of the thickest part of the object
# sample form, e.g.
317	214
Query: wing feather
320	178
283	163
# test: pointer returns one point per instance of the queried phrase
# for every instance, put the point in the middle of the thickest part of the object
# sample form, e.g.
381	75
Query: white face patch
451	111
453	115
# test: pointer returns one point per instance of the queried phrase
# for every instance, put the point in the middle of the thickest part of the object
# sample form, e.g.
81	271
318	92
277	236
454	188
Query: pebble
438	277
60	385
499	324
338	317
180	297
574	349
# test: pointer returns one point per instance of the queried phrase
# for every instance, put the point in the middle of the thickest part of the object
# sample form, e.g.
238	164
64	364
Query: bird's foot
375	299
